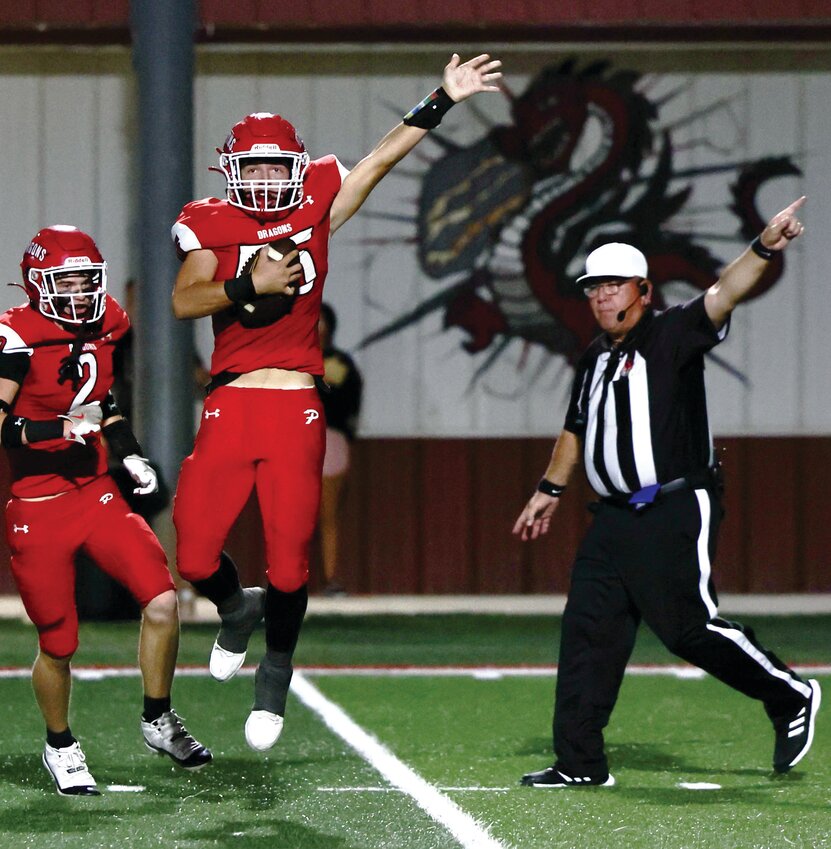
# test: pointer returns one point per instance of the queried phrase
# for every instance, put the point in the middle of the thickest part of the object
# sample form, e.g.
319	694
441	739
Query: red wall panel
430	19
546	12
498	470
770	520
344	13
435	516
391	524
445	515
814	530
17	12
659	11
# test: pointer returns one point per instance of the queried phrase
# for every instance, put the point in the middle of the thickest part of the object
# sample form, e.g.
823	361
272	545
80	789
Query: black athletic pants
652	564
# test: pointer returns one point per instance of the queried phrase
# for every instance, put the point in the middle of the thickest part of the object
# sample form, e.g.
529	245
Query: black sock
60	739
284	614
223	584
271	682
154	708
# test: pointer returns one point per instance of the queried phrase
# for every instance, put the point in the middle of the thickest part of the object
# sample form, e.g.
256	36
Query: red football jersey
58	465
235	236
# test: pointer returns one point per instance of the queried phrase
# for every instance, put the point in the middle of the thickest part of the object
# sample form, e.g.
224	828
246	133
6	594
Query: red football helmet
262	136
54	267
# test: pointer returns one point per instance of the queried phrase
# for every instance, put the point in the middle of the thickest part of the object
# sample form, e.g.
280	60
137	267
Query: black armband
546	487
761	251
427	115
109	408
121	439
6	408
15	365
240	288
14	427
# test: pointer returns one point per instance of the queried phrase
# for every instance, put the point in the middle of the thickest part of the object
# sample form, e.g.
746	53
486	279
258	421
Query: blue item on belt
644	497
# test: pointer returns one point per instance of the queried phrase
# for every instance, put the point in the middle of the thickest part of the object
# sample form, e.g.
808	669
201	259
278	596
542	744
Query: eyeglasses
611	287
592	292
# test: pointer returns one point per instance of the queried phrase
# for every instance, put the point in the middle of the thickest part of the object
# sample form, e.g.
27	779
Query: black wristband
427	115
761	251
121	440
11	433
6	408
240	288
546	487
109	407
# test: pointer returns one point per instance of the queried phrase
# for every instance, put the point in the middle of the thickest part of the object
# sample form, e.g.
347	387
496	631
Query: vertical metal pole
163	58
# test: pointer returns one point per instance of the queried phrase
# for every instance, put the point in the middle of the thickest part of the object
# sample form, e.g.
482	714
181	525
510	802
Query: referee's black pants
652	564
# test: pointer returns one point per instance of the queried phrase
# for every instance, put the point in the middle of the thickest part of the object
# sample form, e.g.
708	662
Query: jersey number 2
86	360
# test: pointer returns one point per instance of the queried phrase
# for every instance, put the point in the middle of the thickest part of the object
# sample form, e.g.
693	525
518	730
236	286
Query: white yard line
202	610
484	673
461	825
399	790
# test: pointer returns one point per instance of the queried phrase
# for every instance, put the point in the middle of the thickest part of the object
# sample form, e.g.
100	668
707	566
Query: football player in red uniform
56	354
256	262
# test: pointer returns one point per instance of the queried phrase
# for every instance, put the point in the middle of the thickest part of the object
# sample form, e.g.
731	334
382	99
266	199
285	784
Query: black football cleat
168	736
555	778
795	732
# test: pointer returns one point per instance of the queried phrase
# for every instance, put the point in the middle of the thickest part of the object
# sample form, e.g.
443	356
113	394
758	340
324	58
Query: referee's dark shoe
554	777
795	732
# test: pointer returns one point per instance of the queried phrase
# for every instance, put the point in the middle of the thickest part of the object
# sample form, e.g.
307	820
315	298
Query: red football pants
271	439
44	537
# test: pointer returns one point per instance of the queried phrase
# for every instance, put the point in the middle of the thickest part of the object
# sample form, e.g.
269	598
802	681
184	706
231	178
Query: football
280	247
267	309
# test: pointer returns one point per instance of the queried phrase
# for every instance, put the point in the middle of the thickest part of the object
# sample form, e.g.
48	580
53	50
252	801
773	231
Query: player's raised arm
460	81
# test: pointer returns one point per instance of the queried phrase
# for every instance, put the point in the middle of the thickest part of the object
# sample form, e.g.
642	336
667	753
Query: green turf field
467	738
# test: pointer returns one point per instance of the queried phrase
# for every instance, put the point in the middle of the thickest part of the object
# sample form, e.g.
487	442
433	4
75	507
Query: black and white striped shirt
640	407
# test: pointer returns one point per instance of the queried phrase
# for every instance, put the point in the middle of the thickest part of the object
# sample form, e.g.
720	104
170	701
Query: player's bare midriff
274	378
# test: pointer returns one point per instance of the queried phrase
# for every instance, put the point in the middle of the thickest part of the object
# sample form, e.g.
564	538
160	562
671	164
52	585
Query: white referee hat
615	260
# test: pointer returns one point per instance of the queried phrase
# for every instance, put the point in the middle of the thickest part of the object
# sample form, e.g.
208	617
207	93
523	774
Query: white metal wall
67	142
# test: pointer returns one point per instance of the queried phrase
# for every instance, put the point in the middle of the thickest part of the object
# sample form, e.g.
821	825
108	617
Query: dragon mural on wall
509	219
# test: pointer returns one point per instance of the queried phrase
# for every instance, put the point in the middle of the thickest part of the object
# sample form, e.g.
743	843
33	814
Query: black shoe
795	732
553	777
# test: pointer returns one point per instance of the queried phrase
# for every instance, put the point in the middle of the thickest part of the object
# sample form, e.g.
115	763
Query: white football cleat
231	644
69	769
263	729
225	664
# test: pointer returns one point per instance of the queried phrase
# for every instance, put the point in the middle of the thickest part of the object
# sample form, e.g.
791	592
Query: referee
638	416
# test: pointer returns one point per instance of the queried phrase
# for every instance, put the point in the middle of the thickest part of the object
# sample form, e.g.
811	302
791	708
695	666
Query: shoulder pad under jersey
11	342
206	224
116	321
328	168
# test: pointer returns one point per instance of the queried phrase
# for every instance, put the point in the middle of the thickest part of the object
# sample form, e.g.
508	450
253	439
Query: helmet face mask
65	276
263	138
